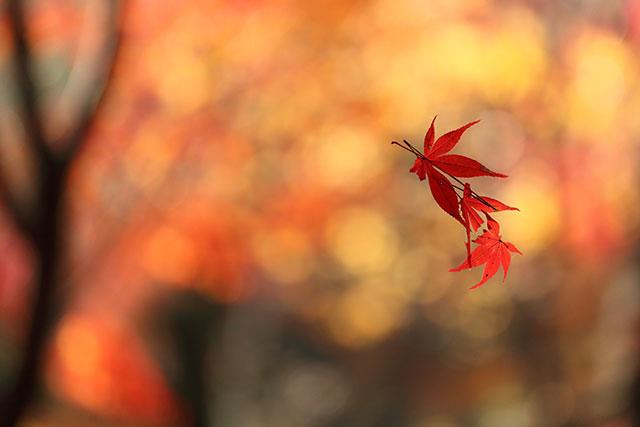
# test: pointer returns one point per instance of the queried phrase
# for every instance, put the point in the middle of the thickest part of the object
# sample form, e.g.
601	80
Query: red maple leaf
435	154
491	251
470	206
426	166
443	192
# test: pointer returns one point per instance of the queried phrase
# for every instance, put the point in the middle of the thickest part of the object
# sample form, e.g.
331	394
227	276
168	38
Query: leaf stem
414	150
402	146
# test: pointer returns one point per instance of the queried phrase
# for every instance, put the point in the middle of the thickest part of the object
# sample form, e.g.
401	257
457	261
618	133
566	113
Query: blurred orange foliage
243	151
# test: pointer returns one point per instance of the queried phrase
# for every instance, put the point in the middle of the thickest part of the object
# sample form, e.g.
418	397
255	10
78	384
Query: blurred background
244	247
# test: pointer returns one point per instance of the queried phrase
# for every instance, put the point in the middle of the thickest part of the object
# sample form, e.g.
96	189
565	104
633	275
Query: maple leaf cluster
460	201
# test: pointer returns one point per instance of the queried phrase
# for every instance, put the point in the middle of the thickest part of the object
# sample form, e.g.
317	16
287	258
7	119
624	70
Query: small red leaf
420	168
471	204
429	136
487	204
493	226
475	220
465	217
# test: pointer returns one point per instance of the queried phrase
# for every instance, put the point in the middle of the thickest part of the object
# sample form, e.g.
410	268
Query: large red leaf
479	256
487	204
505	257
443	193
491	251
462	166
446	142
490	269
512	247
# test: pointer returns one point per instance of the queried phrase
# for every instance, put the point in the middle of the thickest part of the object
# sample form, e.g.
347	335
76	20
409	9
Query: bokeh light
243	242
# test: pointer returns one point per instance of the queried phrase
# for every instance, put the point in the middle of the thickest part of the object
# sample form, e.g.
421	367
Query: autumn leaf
452	164
420	167
491	251
441	188
471	204
430	135
461	166
448	141
443	193
435	156
455	164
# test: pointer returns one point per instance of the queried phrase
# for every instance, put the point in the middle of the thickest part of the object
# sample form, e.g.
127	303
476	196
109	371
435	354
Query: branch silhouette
43	227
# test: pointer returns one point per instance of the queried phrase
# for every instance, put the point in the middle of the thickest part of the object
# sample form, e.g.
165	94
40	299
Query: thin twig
401	146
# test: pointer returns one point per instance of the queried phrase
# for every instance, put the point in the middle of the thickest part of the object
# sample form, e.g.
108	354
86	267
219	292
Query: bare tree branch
46	231
22	60
20	217
105	67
